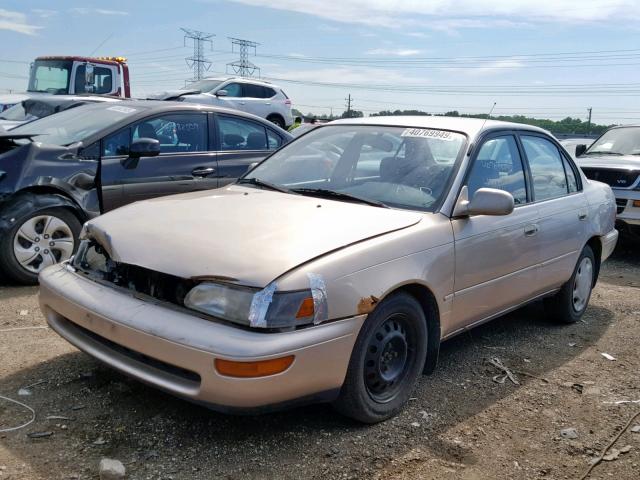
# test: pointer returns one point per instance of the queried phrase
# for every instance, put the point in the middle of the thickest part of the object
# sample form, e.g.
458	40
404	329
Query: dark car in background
59	171
614	159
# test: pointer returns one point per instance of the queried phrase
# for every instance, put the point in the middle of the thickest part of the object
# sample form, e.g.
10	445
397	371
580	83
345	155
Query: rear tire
276	119
386	361
570	303
36	240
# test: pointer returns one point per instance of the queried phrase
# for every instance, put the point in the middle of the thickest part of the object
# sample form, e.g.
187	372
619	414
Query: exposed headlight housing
266	308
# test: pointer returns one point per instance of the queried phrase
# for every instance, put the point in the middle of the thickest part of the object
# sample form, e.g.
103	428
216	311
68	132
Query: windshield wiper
261	183
322	192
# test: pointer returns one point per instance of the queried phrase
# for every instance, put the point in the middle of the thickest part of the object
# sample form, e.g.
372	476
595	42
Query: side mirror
221	93
486	201
580	149
89	78
144	147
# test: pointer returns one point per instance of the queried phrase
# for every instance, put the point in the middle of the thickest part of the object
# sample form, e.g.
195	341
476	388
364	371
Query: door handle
530	230
202	171
582	216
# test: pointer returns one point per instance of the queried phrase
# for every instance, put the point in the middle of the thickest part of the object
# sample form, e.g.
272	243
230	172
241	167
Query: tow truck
73	75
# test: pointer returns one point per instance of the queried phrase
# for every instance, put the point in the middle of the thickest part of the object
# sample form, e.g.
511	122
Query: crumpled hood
624	162
238	233
13	98
170	94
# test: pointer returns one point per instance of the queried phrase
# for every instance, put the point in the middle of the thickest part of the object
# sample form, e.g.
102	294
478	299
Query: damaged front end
267	309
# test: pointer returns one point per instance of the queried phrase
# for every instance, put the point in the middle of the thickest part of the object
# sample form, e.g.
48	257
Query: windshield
204	85
75	124
395	166
50	76
618	141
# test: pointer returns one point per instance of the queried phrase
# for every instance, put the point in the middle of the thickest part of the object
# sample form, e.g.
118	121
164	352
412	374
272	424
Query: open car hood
242	234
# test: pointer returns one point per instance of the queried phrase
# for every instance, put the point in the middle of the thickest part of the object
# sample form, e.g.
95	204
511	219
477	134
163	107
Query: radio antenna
488	116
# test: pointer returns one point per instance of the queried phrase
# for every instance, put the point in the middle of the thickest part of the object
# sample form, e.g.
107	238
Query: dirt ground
460	423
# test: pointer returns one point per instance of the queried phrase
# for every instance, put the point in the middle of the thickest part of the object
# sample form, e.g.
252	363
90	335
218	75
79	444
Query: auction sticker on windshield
122	109
428	133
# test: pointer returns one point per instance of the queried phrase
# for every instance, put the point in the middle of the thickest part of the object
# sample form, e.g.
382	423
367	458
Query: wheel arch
277	115
427	300
38	198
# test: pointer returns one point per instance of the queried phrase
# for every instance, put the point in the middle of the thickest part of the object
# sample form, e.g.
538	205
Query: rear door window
241	134
253	91
547	169
274	140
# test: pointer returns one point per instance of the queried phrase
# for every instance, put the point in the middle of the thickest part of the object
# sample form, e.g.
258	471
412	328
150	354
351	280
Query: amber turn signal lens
263	368
636	203
306	308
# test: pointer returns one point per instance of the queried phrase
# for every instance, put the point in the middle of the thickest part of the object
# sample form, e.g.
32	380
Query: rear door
241	143
257	99
185	163
562	206
496	257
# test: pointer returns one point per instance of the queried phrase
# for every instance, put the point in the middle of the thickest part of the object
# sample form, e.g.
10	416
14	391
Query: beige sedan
333	270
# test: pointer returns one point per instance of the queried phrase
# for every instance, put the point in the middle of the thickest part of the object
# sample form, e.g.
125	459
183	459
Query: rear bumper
172	350
609	242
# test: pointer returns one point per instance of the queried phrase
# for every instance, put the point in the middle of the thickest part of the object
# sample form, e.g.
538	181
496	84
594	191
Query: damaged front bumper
167	348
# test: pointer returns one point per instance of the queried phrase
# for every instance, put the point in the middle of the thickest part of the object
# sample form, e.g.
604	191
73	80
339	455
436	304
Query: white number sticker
428	133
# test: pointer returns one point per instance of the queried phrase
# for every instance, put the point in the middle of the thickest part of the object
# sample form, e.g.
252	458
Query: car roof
470	126
256	81
159	106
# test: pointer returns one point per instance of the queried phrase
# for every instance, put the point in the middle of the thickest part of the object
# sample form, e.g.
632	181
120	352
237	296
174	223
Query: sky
542	58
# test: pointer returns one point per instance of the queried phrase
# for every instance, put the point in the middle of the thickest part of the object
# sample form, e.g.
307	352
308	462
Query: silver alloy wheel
42	241
582	284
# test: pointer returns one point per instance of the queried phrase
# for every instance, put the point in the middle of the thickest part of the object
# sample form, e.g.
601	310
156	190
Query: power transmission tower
198	62
243	66
349	100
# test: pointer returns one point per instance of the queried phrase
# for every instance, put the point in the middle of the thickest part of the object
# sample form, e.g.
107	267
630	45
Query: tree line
568	125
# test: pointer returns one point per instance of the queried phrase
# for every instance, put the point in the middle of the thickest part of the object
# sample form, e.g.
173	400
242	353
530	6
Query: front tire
386	361
35	241
570	303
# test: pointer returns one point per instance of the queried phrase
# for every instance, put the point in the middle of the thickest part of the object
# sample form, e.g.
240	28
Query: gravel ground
460	424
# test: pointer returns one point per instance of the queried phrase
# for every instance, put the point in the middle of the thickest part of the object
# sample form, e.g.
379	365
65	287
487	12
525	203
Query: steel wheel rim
582	284
389	355
42	241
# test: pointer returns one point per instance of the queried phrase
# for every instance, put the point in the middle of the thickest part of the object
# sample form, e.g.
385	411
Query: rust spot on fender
367	304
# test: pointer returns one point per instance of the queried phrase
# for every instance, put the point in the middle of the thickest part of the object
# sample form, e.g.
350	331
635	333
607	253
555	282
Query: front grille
185	375
621	203
612	177
93	260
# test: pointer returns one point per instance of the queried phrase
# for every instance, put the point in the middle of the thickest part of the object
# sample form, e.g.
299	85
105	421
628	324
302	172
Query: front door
496	257
185	162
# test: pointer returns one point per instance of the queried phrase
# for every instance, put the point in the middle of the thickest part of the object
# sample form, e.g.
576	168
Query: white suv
261	98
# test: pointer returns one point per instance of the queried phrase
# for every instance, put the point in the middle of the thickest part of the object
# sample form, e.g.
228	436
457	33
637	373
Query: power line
243	66
198	62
